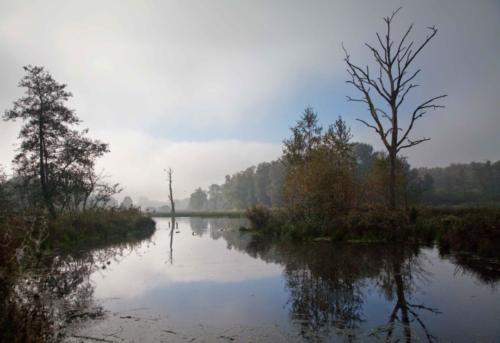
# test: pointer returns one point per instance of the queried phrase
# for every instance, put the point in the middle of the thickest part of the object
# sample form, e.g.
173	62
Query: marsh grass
456	229
98	228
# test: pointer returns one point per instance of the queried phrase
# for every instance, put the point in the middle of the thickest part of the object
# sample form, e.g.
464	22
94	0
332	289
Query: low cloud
138	162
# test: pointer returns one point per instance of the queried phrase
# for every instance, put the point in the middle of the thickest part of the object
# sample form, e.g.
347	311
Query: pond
207	281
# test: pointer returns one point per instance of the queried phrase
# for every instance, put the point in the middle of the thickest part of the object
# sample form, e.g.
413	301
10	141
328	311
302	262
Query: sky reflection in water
220	284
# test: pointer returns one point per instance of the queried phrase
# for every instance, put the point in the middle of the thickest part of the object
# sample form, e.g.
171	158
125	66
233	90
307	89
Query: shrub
461	229
259	216
477	231
373	224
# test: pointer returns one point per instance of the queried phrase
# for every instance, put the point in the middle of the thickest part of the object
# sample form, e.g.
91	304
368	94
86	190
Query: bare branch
411	56
361	81
412	143
363	77
356	100
382	45
400	45
394	13
418	113
369	125
401	85
377	56
401	100
384	114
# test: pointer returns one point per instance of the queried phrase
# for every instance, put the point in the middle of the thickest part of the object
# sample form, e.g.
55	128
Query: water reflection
223	282
487	271
328	286
172	225
57	293
398	282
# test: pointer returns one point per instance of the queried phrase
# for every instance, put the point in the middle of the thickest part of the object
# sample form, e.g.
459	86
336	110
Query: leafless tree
98	192
172	211
170	195
390	87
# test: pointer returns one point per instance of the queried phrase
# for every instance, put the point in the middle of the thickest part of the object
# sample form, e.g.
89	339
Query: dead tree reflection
172	225
398	281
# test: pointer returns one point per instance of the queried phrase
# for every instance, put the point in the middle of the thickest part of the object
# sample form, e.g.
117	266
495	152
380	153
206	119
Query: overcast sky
212	87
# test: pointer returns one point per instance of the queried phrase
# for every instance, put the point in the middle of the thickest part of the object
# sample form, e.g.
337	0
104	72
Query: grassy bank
29	238
464	229
204	214
93	229
69	232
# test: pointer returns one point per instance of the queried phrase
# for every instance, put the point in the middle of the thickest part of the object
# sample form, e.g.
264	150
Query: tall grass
459	229
93	229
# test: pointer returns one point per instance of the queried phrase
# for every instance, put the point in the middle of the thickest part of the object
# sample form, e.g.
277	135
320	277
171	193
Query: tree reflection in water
48	299
172	225
487	271
199	226
397	281
327	286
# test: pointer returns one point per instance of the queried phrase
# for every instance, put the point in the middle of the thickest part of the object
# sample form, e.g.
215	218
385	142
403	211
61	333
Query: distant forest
464	184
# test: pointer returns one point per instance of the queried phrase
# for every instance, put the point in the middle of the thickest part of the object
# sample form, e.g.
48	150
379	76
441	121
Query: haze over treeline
460	184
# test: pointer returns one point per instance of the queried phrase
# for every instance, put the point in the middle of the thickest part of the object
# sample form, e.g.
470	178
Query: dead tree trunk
171	196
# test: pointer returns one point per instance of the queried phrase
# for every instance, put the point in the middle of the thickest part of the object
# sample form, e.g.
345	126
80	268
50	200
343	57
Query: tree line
472	183
322	170
261	184
318	167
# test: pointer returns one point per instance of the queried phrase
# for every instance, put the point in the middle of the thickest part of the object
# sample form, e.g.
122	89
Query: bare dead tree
172	211
170	196
390	87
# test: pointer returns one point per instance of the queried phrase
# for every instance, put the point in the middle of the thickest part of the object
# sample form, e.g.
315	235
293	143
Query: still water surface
207	281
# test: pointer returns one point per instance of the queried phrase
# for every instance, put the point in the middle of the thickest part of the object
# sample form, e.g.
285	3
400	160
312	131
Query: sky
209	88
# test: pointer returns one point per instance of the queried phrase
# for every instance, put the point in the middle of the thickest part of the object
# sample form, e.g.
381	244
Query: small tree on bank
320	177
391	85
